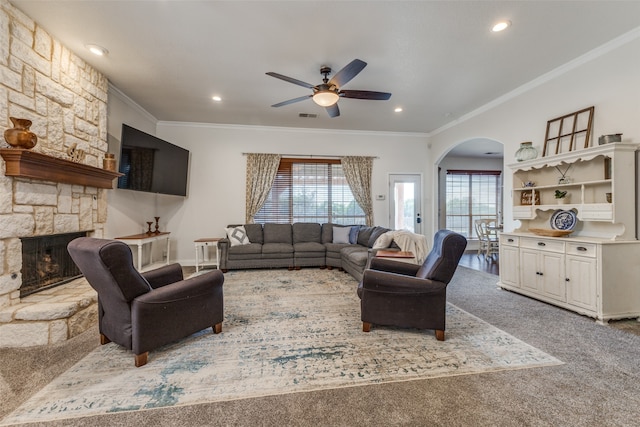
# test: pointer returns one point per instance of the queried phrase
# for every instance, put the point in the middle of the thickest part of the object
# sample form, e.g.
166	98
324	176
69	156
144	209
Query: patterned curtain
357	170
261	171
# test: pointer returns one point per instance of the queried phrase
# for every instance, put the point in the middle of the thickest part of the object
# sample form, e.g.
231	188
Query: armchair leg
366	326
141	359
217	328
439	335
104	340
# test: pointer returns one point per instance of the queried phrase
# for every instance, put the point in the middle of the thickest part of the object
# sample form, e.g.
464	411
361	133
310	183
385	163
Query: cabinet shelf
572	184
30	164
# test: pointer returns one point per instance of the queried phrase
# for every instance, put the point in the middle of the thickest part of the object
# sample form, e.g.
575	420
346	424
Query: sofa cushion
353	234
277	233
251	251
314	247
237	236
254	231
335	248
357	255
270	249
364	233
306	232
327	231
341	234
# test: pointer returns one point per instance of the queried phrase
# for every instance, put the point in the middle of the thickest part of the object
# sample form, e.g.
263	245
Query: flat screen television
151	164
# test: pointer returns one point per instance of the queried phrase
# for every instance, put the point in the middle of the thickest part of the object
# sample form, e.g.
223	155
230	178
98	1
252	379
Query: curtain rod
311	156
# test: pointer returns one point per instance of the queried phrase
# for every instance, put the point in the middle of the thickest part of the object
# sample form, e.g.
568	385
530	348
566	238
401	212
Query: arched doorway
469	183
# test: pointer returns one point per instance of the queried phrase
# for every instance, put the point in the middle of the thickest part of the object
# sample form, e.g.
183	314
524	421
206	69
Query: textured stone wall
66	99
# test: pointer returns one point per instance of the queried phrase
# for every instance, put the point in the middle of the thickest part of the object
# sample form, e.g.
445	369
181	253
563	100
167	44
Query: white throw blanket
411	242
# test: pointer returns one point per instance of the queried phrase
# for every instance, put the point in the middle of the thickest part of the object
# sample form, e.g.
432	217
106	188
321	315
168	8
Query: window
309	190
471	195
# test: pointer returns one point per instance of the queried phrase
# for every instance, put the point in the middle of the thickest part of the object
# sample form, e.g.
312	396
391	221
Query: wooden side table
403	256
201	245
140	240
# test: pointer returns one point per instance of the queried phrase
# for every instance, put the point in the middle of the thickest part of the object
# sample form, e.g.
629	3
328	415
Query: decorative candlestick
157	218
149	230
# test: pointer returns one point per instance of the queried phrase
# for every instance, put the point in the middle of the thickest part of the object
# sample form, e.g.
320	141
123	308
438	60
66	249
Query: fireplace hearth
46	262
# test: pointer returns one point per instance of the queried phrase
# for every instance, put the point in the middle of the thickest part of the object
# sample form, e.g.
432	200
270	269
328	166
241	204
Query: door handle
418	219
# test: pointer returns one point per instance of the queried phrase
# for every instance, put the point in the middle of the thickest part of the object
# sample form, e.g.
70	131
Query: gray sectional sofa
299	245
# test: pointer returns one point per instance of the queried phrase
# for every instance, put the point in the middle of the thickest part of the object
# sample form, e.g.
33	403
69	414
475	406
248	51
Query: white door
405	202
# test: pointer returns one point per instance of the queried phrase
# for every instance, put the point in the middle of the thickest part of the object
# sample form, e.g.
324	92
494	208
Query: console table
140	240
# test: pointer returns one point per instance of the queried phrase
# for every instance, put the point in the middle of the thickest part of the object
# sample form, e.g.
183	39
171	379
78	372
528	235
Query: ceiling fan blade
365	94
290	80
333	110
351	70
291	101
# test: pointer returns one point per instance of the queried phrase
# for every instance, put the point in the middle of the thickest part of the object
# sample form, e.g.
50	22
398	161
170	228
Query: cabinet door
510	265
529	267
581	282
552	275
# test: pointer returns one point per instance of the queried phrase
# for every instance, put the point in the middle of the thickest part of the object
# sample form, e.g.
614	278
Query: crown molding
133	104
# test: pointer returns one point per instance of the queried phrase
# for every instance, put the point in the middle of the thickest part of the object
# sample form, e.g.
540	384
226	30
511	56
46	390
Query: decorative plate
563	220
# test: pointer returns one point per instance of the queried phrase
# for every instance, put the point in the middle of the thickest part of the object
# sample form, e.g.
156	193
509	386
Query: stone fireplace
44	192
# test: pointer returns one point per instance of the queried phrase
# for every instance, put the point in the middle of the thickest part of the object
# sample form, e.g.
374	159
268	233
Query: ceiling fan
327	93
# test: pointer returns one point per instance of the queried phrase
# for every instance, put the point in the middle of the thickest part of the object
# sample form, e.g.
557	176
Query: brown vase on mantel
20	136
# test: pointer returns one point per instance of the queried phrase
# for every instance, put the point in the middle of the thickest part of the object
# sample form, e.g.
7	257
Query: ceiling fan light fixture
325	98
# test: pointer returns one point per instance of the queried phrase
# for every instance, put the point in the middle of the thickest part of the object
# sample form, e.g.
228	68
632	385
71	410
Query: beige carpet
284	332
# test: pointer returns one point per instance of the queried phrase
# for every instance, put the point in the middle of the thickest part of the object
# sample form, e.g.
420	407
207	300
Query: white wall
128	210
216	194
608	78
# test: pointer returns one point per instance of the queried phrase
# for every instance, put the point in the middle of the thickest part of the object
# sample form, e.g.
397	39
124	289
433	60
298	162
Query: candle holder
149	230
157	218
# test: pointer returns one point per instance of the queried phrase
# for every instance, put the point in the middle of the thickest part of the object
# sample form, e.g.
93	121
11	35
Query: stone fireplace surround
66	99
43	208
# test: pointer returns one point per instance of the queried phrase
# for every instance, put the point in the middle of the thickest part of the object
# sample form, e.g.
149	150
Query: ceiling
439	59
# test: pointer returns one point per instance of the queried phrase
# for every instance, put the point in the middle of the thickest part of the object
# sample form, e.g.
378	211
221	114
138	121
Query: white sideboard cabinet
595	270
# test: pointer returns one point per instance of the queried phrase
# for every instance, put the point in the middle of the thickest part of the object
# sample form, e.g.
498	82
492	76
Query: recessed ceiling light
97	50
216	98
501	26
398	109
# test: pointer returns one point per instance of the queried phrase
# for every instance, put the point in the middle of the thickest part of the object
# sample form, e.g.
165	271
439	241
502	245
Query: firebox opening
46	262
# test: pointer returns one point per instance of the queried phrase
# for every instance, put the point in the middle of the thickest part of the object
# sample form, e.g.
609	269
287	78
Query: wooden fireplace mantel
30	164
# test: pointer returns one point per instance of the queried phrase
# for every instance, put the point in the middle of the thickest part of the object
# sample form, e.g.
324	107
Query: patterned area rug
284	332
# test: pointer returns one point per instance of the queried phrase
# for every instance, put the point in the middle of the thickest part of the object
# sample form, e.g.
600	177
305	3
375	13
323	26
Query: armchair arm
399	267
176	310
382	282
164	275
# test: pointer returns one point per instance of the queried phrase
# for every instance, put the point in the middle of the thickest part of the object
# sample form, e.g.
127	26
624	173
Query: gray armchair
408	295
143	311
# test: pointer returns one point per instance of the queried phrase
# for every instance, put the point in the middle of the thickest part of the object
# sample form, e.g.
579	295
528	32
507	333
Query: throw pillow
353	234
341	234
237	236
384	241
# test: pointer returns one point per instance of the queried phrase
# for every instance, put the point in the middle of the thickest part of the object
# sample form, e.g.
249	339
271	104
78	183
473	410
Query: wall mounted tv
151	164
